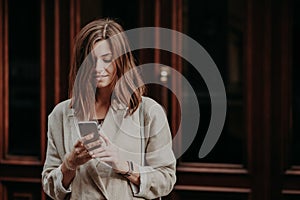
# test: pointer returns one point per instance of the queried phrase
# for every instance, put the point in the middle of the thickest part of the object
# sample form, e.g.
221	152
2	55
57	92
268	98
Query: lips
99	77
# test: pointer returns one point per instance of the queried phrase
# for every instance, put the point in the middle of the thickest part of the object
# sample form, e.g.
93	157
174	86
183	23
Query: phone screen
89	134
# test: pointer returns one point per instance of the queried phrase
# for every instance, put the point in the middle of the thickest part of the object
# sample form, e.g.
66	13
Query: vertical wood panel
258	95
291	179
74	20
162	93
1	80
281	93
176	63
6	157
57	43
266	95
5	82
43	87
157	23
248	49
284	53
74	25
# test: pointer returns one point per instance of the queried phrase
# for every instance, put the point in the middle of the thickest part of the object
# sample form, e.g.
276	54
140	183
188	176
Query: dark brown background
254	44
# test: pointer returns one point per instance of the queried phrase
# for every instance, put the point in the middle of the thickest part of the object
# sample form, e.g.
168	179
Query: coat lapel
73	135
91	168
120	129
124	132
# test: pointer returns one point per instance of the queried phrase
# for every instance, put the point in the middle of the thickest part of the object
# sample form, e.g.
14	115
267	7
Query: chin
102	85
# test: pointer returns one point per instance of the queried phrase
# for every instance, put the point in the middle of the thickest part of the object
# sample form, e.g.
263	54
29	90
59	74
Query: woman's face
105	70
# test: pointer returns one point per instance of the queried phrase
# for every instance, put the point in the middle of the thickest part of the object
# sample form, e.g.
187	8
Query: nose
100	65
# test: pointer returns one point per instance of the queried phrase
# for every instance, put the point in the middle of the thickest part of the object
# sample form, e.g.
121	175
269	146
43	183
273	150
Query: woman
135	159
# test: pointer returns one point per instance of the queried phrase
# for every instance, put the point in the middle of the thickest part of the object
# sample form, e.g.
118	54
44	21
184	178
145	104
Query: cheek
112	69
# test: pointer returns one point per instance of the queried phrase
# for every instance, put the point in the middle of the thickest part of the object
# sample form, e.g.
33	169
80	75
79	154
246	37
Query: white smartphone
90	135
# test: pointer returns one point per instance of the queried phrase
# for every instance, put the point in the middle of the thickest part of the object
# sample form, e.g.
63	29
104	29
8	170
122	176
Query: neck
103	96
102	103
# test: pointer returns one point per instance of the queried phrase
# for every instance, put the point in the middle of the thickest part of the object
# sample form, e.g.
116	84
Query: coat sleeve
52	175
157	177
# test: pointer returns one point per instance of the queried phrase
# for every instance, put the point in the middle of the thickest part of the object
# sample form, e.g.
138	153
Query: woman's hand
78	156
109	153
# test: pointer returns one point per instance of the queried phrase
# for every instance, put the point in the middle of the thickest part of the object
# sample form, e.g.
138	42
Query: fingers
84	154
96	152
104	156
79	147
80	155
87	137
93	144
79	151
78	143
106	159
106	140
105	152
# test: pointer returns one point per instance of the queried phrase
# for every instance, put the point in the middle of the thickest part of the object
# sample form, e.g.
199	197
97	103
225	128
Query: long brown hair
82	88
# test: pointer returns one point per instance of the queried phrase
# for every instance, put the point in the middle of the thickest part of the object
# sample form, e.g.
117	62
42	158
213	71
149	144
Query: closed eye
107	60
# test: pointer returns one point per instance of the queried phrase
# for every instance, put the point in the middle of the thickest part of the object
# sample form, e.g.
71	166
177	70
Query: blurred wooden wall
254	44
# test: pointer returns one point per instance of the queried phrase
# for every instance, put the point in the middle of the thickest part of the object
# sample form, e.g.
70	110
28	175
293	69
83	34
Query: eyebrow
106	54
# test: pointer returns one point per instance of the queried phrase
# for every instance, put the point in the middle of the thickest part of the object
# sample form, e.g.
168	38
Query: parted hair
127	90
